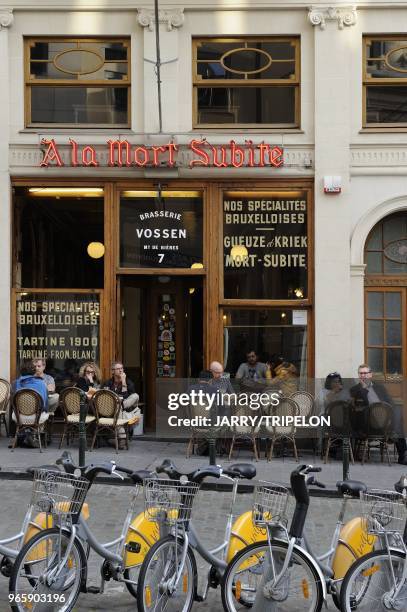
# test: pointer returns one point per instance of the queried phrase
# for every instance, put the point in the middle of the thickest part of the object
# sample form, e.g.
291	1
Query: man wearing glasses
368	392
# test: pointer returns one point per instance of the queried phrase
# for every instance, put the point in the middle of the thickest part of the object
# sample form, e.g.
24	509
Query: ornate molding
371	281
172	18
378	156
344	16
6	18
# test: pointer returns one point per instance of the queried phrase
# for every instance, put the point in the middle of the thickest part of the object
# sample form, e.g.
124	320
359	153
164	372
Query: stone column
333	304
169	22
357	274
6	21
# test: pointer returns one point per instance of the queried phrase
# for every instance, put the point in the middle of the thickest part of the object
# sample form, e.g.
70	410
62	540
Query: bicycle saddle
241	470
353	488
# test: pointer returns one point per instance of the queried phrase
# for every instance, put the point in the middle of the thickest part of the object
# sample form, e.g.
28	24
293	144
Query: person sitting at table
39	372
125	389
29	380
333	391
89	378
252	369
368	392
282	375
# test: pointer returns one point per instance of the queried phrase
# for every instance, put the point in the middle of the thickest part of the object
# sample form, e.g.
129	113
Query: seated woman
333	390
89	378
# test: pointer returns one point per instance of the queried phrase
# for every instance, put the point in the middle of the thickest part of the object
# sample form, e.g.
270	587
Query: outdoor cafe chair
29	414
70	402
378	430
4	401
107	406
339	412
280	433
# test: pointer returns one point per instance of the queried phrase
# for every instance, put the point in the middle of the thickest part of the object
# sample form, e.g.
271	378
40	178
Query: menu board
166	330
265	245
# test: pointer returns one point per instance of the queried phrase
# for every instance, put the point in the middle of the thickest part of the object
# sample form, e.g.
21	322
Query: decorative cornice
172	18
6	18
345	16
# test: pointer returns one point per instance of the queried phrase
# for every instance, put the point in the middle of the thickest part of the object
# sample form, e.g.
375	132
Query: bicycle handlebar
168	467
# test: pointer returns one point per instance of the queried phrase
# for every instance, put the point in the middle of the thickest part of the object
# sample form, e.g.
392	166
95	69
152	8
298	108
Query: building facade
259	201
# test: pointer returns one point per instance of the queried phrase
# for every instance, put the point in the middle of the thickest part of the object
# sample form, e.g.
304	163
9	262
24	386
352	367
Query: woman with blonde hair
89	378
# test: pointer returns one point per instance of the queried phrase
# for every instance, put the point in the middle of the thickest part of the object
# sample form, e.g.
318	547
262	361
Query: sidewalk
146	454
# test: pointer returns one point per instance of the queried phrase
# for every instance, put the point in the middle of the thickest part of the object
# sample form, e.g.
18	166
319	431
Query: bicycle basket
58	493
169	501
270	504
383	511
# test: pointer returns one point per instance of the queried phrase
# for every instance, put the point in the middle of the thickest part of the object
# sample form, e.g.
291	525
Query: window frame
29	83
383	82
197	82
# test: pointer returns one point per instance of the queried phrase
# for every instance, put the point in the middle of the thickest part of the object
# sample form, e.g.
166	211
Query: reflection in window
385	80
384	338
265	245
268	332
78	82
246	81
52	231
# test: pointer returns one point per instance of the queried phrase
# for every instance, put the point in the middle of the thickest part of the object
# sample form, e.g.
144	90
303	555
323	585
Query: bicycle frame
18	538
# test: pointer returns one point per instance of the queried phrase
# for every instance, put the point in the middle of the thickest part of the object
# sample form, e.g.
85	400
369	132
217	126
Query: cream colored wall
373	166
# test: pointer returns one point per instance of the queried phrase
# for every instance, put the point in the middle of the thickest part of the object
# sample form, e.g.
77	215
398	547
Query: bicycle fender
244	532
354	542
316	566
145	533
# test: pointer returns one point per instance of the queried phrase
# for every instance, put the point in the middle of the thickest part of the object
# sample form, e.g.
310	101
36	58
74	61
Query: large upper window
82	82
385	81
246	82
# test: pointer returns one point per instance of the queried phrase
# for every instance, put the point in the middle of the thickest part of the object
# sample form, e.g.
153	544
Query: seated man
39	372
368	392
124	387
28	380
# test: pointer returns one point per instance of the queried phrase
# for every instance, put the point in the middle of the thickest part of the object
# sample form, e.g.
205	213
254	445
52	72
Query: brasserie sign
122	153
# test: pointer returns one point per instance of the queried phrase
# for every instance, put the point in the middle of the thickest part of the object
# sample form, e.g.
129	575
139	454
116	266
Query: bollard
212	451
82	429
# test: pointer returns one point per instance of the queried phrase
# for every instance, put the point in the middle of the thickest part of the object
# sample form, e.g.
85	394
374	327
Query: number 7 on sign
160	257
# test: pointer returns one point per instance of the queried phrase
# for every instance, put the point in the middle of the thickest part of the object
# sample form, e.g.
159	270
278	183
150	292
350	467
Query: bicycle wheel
154	592
248	581
132	573
32	585
369	583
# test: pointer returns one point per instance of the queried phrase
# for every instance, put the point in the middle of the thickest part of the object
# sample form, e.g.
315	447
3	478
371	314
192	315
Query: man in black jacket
367	392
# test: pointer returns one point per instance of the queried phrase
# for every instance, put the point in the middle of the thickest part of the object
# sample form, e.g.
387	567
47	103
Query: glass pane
61	328
386	104
50	228
267	332
393	304
393	267
373	263
393	333
275	105
379	69
48	50
374	304
109	71
208	50
393	361
374	242
72	105
375	360
111	51
265	249
161	232
394	227
375	333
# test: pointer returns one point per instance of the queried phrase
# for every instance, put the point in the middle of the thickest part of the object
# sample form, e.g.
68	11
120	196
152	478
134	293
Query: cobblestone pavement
108	506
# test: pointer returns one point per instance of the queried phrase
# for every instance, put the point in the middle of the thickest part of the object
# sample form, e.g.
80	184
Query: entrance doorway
161	332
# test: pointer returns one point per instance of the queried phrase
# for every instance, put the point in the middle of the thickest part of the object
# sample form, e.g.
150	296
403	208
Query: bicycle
32	524
282	573
378	581
52	565
168	576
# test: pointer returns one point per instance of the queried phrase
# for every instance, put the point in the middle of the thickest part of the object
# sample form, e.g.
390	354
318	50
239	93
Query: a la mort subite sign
122	153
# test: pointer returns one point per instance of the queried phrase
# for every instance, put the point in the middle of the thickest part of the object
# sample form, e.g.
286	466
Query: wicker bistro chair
305	402
286	407
339	412
107	406
244	432
200	432
70	401
379	429
28	414
4	402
